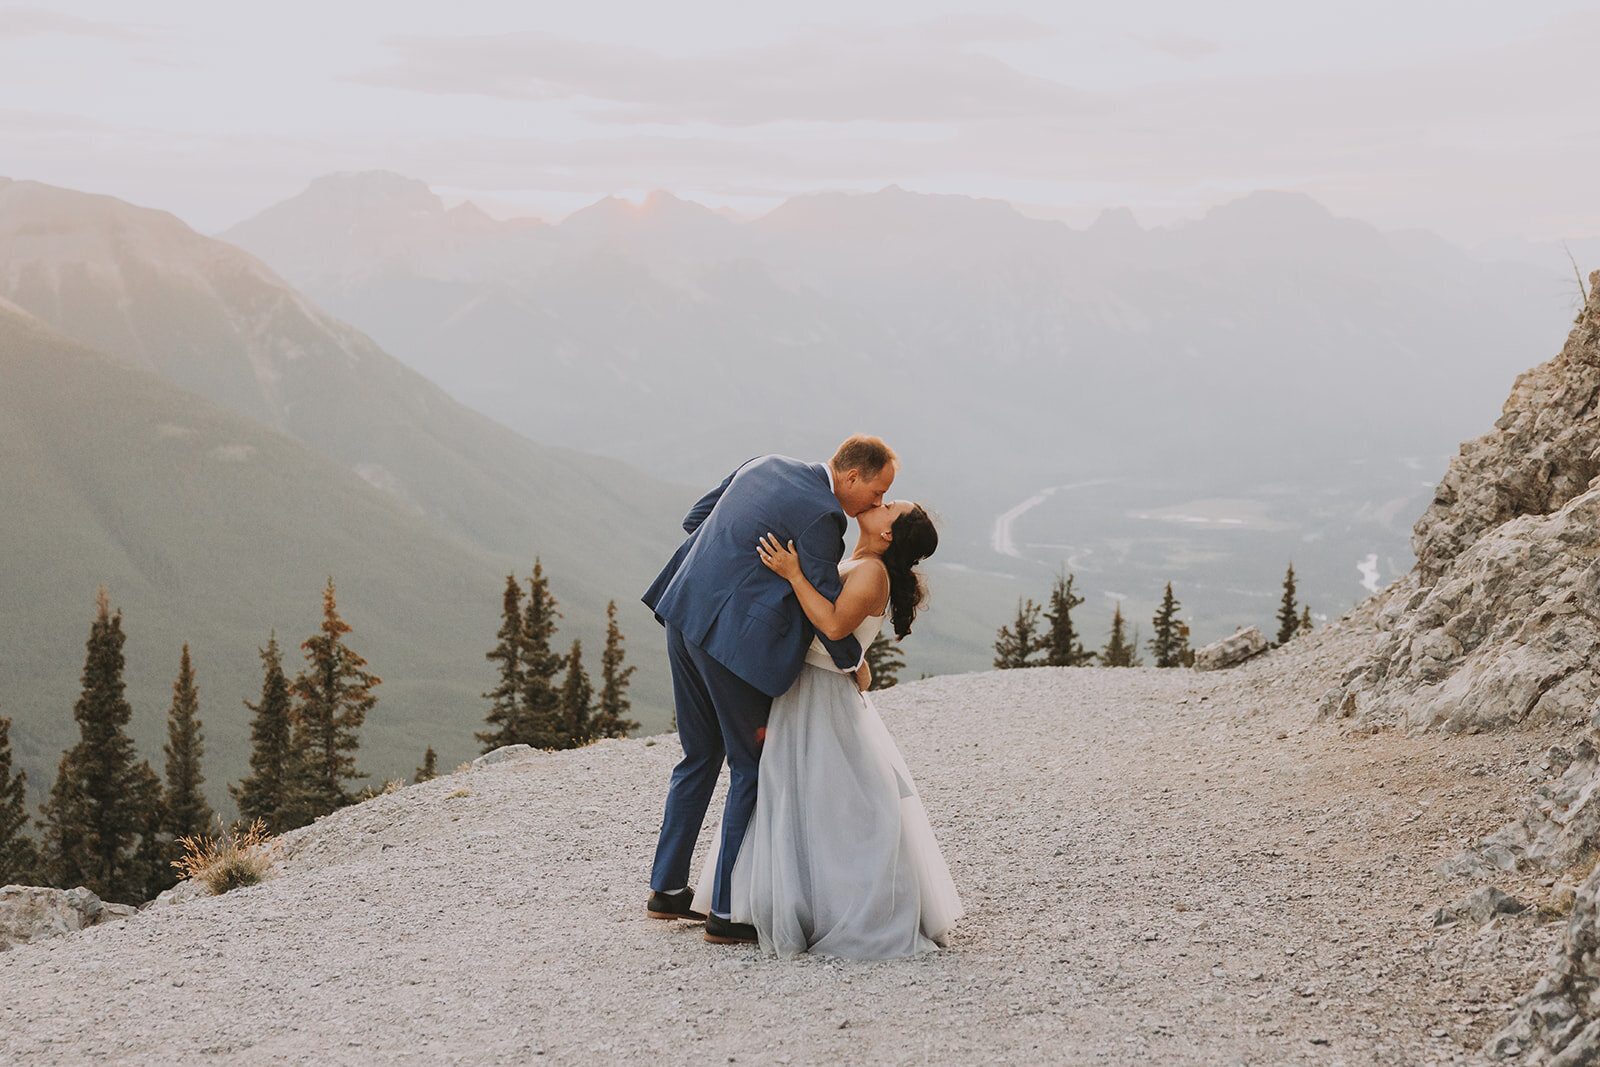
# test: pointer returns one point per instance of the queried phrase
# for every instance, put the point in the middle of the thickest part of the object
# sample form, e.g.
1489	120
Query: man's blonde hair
866	454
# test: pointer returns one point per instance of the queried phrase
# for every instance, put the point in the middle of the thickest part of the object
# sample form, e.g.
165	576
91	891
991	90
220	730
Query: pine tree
1118	651
577	701
611	719
505	699
430	767
300	804
187	813
1305	623
1169	644
1288	615
151	868
335	693
19	856
542	725
883	659
1017	645
267	793
1062	646
100	804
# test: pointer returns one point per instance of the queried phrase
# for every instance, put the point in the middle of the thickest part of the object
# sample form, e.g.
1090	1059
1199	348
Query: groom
736	638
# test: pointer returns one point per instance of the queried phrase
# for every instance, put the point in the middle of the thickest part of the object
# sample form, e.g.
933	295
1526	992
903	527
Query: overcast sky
1473	119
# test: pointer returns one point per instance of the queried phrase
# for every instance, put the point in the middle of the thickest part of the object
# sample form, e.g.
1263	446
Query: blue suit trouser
719	715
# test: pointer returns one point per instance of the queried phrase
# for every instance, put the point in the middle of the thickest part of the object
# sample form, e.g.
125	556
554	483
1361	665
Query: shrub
232	858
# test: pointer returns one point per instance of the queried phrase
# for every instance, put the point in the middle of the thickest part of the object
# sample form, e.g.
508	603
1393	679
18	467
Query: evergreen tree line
1028	642
111	824
529	705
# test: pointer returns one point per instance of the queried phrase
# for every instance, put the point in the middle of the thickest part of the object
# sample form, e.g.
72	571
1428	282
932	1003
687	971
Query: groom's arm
703	506
820	548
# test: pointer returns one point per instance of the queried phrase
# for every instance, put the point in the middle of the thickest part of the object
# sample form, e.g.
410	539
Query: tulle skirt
839	859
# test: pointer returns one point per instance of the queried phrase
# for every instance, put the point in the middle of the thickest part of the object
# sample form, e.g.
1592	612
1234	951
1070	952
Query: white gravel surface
1158	867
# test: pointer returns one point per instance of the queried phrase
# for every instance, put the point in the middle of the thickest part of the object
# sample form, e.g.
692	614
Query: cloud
841	78
1178	45
48	123
1499	140
975	28
17	22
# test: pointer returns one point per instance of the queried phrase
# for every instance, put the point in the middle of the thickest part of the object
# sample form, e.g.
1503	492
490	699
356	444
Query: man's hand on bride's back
781	559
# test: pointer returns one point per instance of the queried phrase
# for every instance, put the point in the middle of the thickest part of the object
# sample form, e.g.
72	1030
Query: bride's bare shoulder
869	572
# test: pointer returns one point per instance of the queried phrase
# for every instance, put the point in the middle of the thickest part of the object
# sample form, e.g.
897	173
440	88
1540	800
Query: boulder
1478	907
502	754
1230	651
32	913
185	891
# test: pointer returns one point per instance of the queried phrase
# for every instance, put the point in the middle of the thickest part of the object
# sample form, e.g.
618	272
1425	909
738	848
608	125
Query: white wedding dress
839	859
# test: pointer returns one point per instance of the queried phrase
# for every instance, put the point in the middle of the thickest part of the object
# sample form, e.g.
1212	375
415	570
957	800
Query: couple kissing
767	630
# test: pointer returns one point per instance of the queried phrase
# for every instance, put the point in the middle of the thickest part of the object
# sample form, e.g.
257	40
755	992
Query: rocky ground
1158	867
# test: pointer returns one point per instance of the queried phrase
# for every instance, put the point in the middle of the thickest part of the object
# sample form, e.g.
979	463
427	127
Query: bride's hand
782	560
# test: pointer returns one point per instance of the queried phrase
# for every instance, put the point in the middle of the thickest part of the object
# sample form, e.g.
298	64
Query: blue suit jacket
723	598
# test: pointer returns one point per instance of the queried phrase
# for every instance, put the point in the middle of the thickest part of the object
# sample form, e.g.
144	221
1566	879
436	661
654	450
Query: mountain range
1197	403
188	430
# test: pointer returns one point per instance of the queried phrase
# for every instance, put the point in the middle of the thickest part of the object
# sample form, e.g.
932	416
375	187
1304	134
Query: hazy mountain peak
1276	225
1115	222
141	286
1272	207
894	215
370	189
54	239
658	209
468	217
338	202
351	223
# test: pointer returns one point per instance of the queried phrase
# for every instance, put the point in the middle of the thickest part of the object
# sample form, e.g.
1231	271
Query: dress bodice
817	655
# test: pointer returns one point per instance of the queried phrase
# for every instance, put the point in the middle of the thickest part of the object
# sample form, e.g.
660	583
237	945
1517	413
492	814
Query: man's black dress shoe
720	931
673	906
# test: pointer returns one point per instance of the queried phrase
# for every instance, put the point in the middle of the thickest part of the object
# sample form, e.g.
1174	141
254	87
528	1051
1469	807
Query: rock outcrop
32	913
1499	621
1507	634
1544	450
1230	651
1499	625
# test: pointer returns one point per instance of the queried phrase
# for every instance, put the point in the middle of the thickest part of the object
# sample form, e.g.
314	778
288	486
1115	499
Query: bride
839	859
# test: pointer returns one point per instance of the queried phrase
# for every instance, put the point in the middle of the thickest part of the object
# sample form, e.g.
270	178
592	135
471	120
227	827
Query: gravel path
1158	867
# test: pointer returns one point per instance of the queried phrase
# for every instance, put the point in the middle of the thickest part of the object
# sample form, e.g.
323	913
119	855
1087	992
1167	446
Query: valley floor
1158	867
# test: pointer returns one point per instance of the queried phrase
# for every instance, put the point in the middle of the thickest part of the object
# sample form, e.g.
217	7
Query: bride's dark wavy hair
914	540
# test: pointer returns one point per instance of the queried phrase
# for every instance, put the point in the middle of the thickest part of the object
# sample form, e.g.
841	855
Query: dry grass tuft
459	793
393	785
232	858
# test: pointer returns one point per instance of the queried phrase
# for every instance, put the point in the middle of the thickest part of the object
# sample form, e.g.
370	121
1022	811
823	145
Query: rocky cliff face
1499	625
1543	452
1499	621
